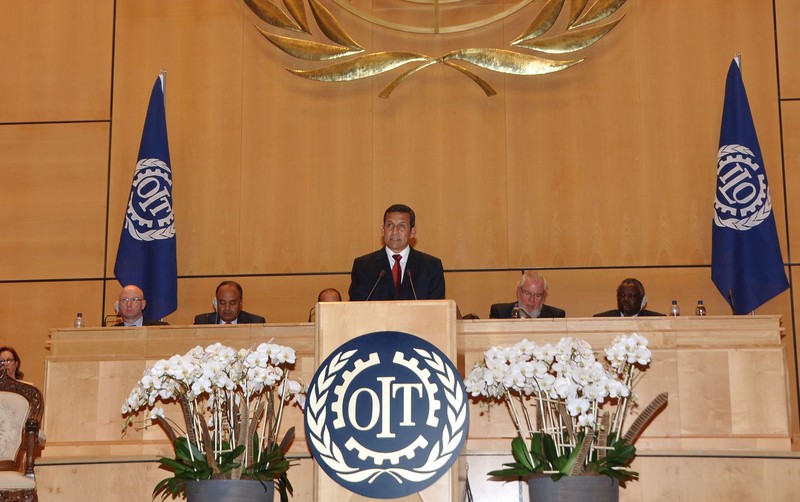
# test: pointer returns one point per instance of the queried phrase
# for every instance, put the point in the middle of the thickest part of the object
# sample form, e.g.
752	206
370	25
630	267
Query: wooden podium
433	320
727	421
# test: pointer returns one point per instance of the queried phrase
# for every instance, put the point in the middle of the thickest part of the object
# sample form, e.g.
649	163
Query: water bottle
78	320
700	310
675	310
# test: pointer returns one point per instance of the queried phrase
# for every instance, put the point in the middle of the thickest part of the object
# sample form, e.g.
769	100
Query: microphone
311	313
516	313
408	273
380	276
730	297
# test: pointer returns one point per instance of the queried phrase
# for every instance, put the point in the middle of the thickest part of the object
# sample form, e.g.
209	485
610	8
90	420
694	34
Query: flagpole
163	76
738	58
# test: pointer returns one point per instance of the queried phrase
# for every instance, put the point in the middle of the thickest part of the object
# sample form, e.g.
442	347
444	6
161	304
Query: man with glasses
130	305
531	294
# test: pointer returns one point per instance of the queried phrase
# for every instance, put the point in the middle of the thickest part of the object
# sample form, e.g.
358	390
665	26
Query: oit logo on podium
386	414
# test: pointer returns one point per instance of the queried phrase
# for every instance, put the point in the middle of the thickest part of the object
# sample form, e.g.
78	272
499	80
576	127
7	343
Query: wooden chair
21	408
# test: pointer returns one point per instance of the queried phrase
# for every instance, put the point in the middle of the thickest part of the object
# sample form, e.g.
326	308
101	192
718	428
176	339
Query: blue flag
746	261
146	255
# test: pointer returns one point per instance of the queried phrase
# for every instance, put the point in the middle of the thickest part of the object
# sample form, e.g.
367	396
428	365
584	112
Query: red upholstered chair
21	408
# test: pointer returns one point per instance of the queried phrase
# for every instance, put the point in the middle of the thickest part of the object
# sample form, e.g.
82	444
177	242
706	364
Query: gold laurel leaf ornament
298	12
367	65
543	21
505	61
307	49
570	41
600	10
581	31
330	26
272	14
487	89
575	9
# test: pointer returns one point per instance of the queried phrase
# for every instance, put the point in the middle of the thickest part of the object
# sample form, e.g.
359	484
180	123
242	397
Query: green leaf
511	473
521	453
569	461
549	447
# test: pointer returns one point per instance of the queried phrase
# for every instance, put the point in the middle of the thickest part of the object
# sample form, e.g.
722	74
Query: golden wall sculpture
583	28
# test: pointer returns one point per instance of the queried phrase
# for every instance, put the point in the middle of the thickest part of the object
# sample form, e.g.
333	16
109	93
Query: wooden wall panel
786	12
790	116
29	310
306	167
682	93
566	150
56	60
52	197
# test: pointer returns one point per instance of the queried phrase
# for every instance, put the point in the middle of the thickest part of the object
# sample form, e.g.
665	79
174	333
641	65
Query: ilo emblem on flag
742	200
386	414
149	215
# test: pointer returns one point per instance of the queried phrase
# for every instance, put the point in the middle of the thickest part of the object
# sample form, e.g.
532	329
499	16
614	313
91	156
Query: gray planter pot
229	490
572	488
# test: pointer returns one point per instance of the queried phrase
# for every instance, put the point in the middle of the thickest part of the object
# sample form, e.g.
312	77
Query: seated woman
10	363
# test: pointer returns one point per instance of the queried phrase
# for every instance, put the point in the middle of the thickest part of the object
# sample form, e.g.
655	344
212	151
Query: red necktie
396	272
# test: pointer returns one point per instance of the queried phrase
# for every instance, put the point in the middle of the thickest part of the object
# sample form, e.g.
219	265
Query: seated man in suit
631	301
531	294
130	306
228	307
397	271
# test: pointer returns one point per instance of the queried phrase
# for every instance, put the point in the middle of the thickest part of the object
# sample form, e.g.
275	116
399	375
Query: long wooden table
726	377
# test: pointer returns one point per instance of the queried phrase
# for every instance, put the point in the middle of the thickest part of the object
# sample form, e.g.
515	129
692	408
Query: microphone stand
380	276
410	281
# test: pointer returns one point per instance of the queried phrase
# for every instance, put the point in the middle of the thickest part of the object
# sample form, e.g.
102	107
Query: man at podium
397	271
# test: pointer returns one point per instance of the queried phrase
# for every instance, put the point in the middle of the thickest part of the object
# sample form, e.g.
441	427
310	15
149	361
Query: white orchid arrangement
227	398
557	395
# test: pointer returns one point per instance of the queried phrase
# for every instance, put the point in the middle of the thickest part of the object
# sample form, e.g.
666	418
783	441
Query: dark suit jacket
427	278
503	311
244	318
615	313
146	322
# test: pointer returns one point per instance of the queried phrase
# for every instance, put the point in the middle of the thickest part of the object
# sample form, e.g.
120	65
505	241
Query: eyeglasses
126	301
527	294
6	361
